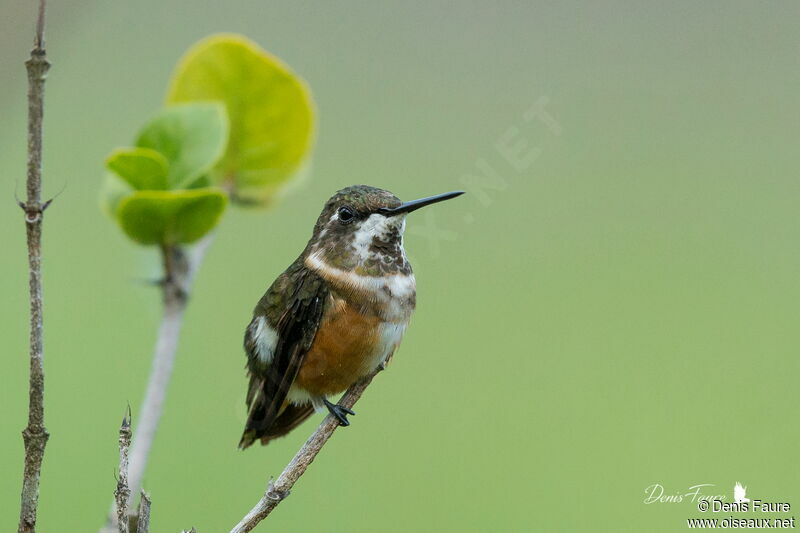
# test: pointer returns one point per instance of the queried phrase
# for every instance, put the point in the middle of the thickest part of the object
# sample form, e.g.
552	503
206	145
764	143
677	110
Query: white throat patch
378	227
393	291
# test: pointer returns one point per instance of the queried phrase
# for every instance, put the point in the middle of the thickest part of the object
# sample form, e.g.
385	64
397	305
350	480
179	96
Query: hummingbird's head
361	229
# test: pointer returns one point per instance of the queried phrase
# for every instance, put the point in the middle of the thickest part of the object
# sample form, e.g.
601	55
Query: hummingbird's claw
339	412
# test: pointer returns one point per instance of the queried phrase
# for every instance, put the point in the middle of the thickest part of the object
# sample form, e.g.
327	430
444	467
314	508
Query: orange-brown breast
345	344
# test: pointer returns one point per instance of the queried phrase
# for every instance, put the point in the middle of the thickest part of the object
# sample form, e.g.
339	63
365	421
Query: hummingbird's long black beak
413	205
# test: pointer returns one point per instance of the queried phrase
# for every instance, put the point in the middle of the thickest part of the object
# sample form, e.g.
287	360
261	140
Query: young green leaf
141	168
269	107
192	138
170	217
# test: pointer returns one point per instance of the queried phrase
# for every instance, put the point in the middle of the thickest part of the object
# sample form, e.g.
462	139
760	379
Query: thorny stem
279	490
35	434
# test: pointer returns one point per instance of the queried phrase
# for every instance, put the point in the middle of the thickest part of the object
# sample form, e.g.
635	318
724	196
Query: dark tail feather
290	417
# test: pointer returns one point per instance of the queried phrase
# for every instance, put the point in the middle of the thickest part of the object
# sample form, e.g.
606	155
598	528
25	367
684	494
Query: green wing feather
293	307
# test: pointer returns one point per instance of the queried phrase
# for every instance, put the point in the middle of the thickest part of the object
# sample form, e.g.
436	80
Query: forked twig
180	267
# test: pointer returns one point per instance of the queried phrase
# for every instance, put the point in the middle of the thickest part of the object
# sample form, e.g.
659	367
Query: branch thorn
126	419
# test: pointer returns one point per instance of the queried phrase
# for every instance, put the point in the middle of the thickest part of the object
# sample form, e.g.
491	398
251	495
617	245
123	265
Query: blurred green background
618	311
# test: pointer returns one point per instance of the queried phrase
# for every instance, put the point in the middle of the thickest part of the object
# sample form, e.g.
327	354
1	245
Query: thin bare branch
35	434
180	268
278	490
174	297
123	492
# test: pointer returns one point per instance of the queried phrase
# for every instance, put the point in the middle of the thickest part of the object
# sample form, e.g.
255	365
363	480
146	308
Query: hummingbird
337	313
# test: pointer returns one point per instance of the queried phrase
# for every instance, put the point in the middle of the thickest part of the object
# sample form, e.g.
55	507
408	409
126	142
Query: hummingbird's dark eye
346	214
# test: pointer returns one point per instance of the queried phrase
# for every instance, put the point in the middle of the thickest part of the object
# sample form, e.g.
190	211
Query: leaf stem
180	267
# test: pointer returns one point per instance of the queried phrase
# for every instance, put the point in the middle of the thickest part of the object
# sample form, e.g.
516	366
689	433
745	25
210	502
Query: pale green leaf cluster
238	124
159	191
270	110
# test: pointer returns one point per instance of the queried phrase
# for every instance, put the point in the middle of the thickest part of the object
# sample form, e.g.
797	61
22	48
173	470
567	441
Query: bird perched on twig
336	314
